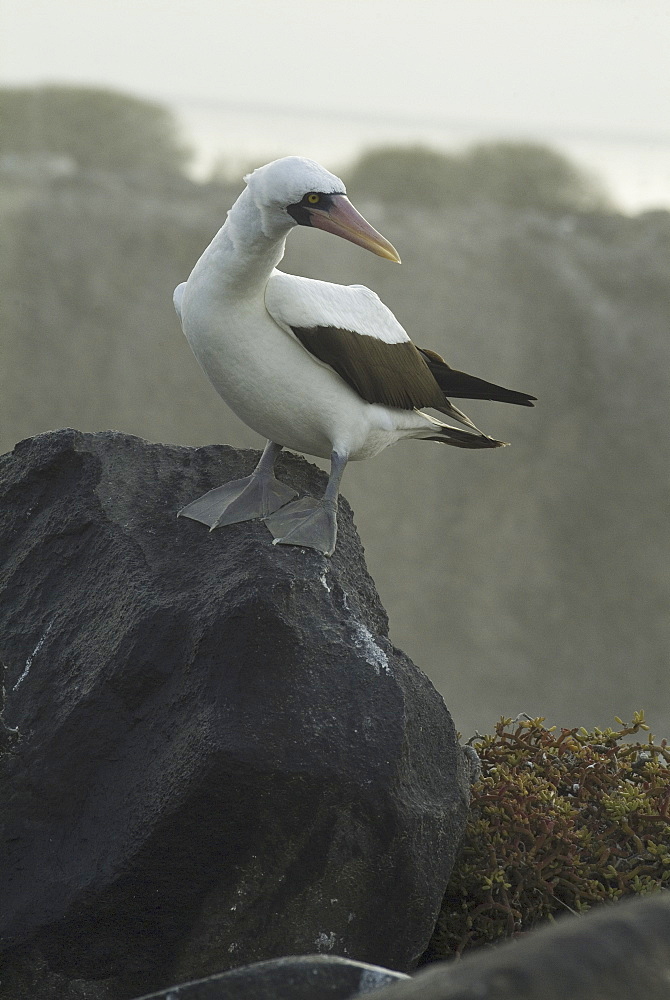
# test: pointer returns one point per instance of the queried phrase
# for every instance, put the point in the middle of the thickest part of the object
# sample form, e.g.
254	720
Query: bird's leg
244	499
310	522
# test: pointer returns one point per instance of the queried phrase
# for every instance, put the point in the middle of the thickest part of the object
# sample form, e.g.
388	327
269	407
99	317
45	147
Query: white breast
273	384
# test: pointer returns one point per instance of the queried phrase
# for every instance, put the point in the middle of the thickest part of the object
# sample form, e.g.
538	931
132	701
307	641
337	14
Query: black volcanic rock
8	737
222	759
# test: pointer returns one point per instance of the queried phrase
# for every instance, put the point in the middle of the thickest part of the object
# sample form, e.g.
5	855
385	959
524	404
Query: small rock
304	977
619	950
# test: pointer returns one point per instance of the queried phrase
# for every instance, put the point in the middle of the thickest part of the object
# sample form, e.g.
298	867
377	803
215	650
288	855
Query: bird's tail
463	439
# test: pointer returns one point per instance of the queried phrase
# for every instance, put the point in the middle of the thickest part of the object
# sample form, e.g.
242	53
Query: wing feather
390	374
464	386
306	303
350	329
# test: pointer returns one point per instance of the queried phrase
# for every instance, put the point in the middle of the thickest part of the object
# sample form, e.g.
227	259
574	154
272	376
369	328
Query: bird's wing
350	329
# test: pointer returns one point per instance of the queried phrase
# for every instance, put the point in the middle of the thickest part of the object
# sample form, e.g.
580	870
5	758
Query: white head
295	191
284	182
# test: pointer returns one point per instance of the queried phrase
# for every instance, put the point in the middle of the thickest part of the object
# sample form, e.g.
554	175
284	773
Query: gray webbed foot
255	496
241	500
308	522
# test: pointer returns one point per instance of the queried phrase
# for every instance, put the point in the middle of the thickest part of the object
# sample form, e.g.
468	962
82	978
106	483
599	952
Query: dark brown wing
389	374
400	375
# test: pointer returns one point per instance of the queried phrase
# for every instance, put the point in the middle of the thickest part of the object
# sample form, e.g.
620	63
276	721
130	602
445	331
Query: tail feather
464	386
462	439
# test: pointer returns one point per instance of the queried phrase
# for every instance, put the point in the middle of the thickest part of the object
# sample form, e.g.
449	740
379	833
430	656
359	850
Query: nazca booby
321	368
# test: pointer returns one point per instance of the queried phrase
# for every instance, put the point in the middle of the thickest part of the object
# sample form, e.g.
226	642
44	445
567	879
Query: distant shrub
412	175
89	128
560	821
508	173
524	173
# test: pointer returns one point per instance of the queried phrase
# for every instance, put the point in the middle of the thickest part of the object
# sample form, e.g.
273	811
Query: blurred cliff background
534	578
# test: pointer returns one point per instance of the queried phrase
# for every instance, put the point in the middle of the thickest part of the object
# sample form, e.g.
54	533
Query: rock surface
221	758
306	977
620	951
8	737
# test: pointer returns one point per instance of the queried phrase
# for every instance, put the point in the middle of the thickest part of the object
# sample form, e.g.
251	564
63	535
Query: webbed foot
308	522
242	500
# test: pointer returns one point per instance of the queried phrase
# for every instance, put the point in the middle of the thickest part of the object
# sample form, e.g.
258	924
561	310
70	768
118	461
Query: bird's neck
243	254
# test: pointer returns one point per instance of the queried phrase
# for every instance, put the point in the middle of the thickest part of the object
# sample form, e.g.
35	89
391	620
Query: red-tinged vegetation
561	820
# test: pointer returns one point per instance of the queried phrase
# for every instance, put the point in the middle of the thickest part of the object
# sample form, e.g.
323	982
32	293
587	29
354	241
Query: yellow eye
313	199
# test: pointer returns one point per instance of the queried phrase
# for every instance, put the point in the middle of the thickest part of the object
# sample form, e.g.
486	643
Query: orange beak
343	220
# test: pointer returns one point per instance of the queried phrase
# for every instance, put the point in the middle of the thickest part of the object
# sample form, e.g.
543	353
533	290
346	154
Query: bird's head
297	191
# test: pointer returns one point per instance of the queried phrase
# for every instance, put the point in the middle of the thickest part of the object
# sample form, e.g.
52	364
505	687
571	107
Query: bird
316	367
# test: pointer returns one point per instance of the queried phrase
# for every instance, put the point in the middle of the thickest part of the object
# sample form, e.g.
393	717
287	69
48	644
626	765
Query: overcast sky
583	68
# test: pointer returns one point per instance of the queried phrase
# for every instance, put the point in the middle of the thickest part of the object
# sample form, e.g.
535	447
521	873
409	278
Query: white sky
589	72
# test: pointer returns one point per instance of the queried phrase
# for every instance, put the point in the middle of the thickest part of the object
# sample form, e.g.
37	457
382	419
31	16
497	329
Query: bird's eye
313	198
